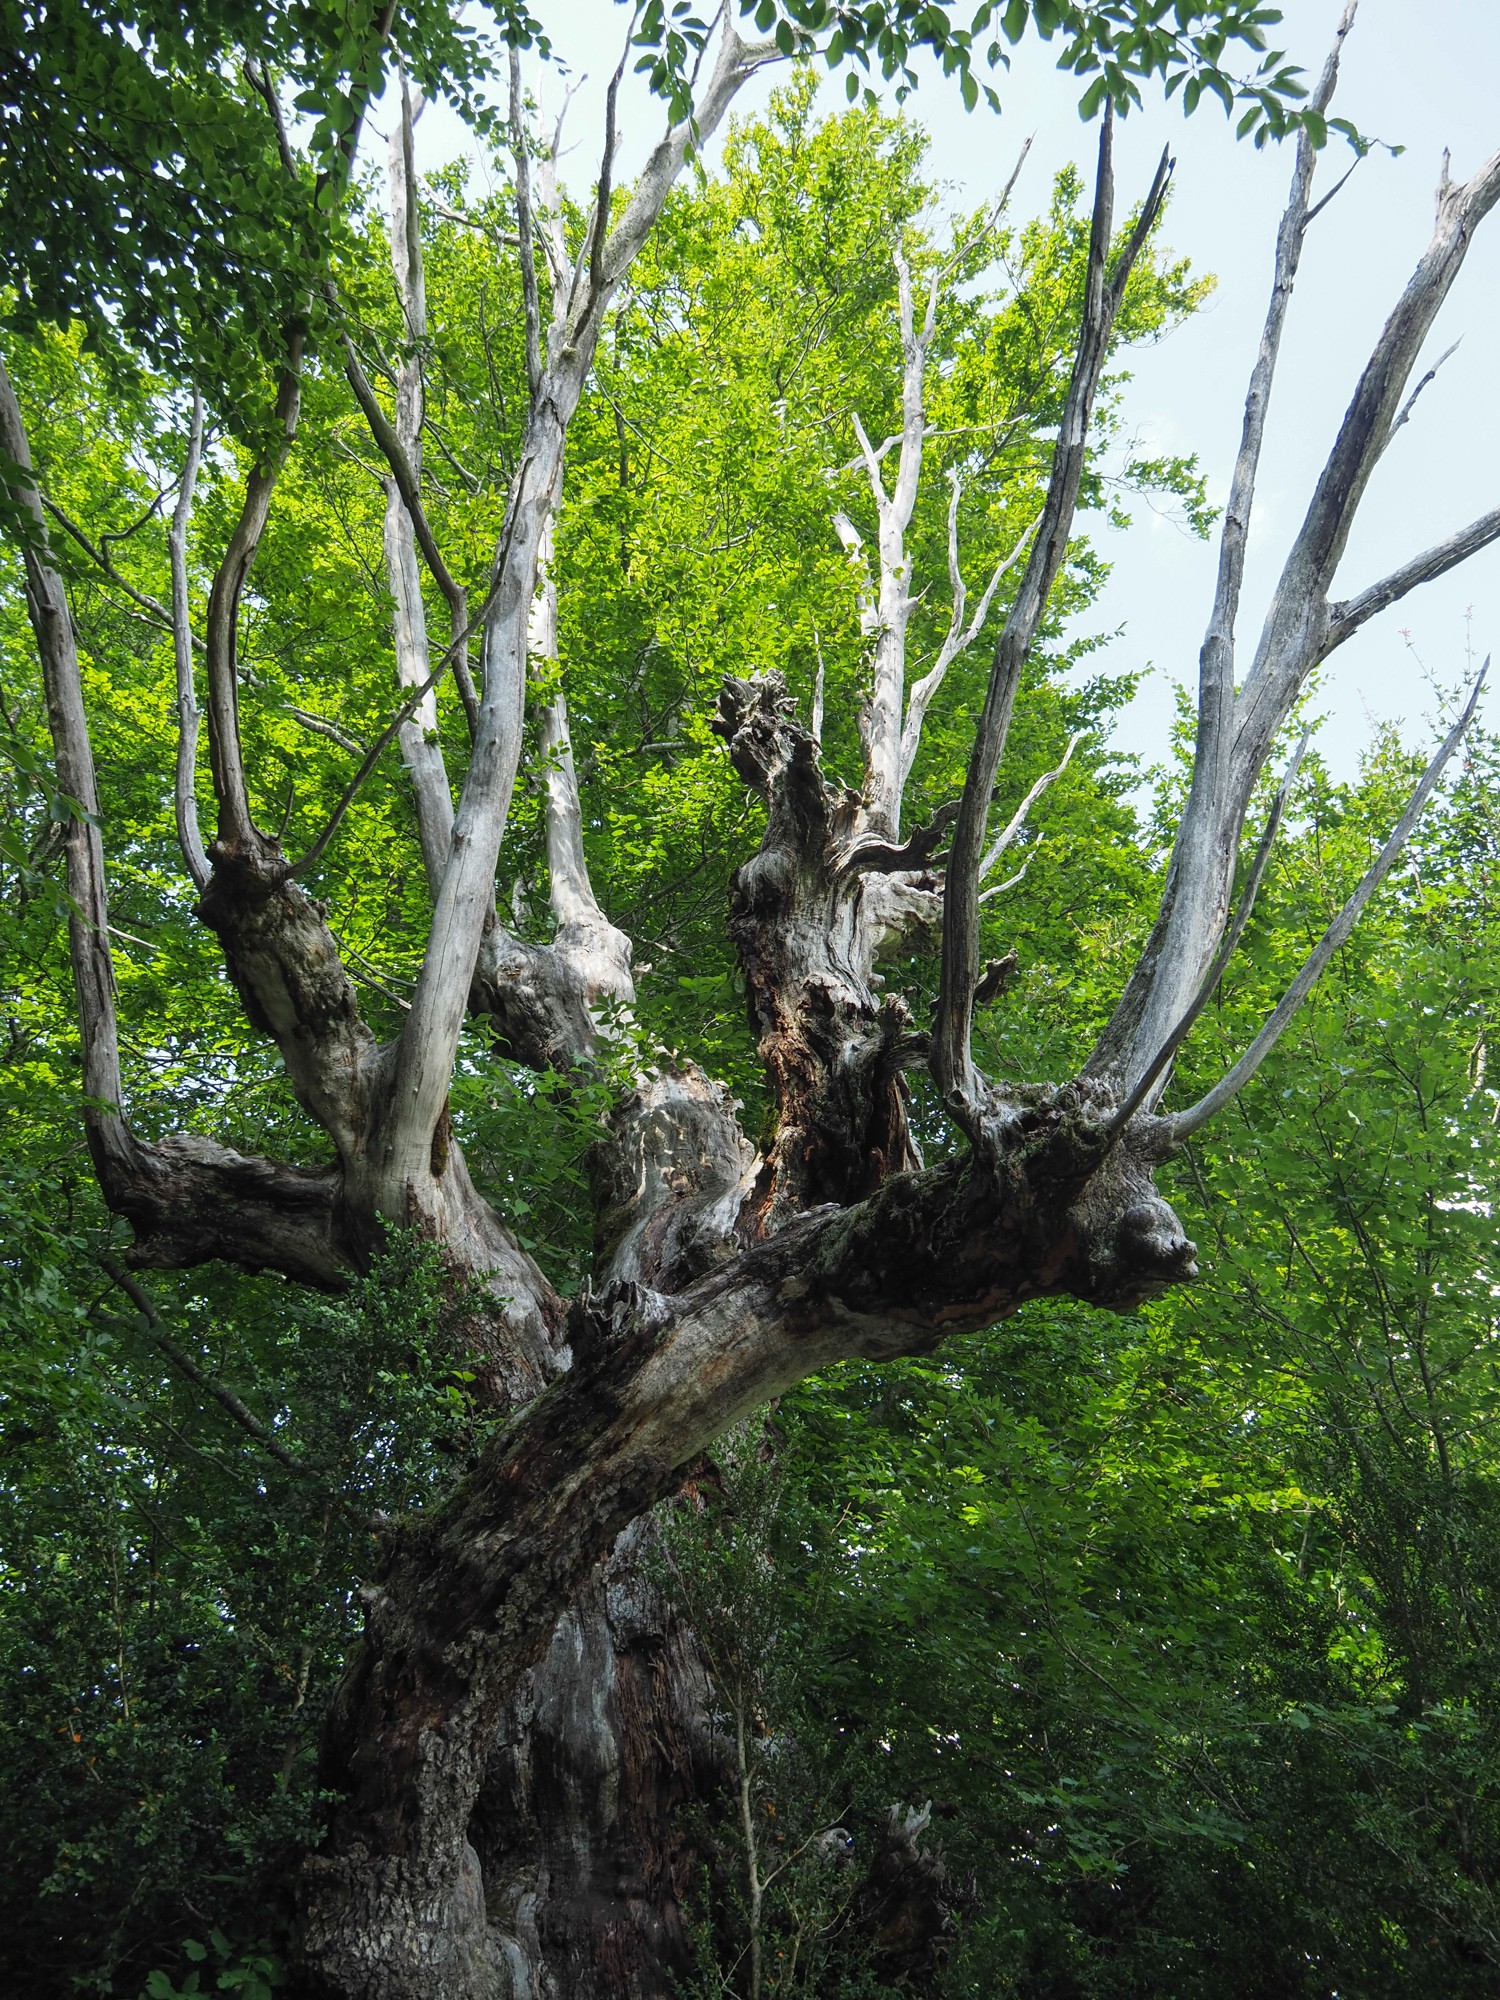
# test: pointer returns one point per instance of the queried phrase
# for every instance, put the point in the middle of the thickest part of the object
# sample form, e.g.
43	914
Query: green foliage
175	1604
253	1973
1190	1621
733	1560
145	197
1115	44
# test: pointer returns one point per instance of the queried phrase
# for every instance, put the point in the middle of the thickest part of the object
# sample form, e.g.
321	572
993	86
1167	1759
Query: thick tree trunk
585	1825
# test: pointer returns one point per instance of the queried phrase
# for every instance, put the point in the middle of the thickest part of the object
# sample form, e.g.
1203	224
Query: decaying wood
510	1626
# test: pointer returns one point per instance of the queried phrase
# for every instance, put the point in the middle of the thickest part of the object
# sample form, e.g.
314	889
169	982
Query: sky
1417	74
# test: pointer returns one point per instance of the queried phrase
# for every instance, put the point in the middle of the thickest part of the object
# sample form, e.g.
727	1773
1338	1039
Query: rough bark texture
583	1826
809	914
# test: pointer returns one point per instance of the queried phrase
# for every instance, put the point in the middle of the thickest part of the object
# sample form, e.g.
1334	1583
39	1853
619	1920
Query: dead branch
1006	838
1234	932
1182	1125
1344	620
1236	730
952	1063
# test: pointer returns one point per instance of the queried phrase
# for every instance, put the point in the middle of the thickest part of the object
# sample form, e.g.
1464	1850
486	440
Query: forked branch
1237	729
959	637
885	607
1162	1059
464	902
1182	1125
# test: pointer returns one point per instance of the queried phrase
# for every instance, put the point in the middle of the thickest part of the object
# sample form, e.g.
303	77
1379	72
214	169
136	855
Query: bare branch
378	748
1410	403
1007	837
405	522
1291	643
549	220
1183	1124
883	730
735	63
1216	659
1337	189
525	223
572	893
463	906
952	1063
401	445
83	849
1010	882
975	237
1236	732
959	638
226	755
405	468
1345	619
599	226
872	459
189	836
588	954
1158	1065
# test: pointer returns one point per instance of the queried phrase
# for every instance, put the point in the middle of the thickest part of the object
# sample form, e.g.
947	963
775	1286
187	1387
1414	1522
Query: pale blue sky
1418	73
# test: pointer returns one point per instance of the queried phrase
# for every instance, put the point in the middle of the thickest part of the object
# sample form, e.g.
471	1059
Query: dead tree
726	1273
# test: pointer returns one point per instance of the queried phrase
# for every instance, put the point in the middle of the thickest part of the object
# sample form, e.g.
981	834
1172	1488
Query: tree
726	1268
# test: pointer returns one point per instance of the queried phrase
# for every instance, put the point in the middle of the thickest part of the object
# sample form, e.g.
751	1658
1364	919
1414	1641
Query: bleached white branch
951	1053
421	748
1236	730
959	637
1159	1063
1183	1124
1007	837
423	1058
1011	881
